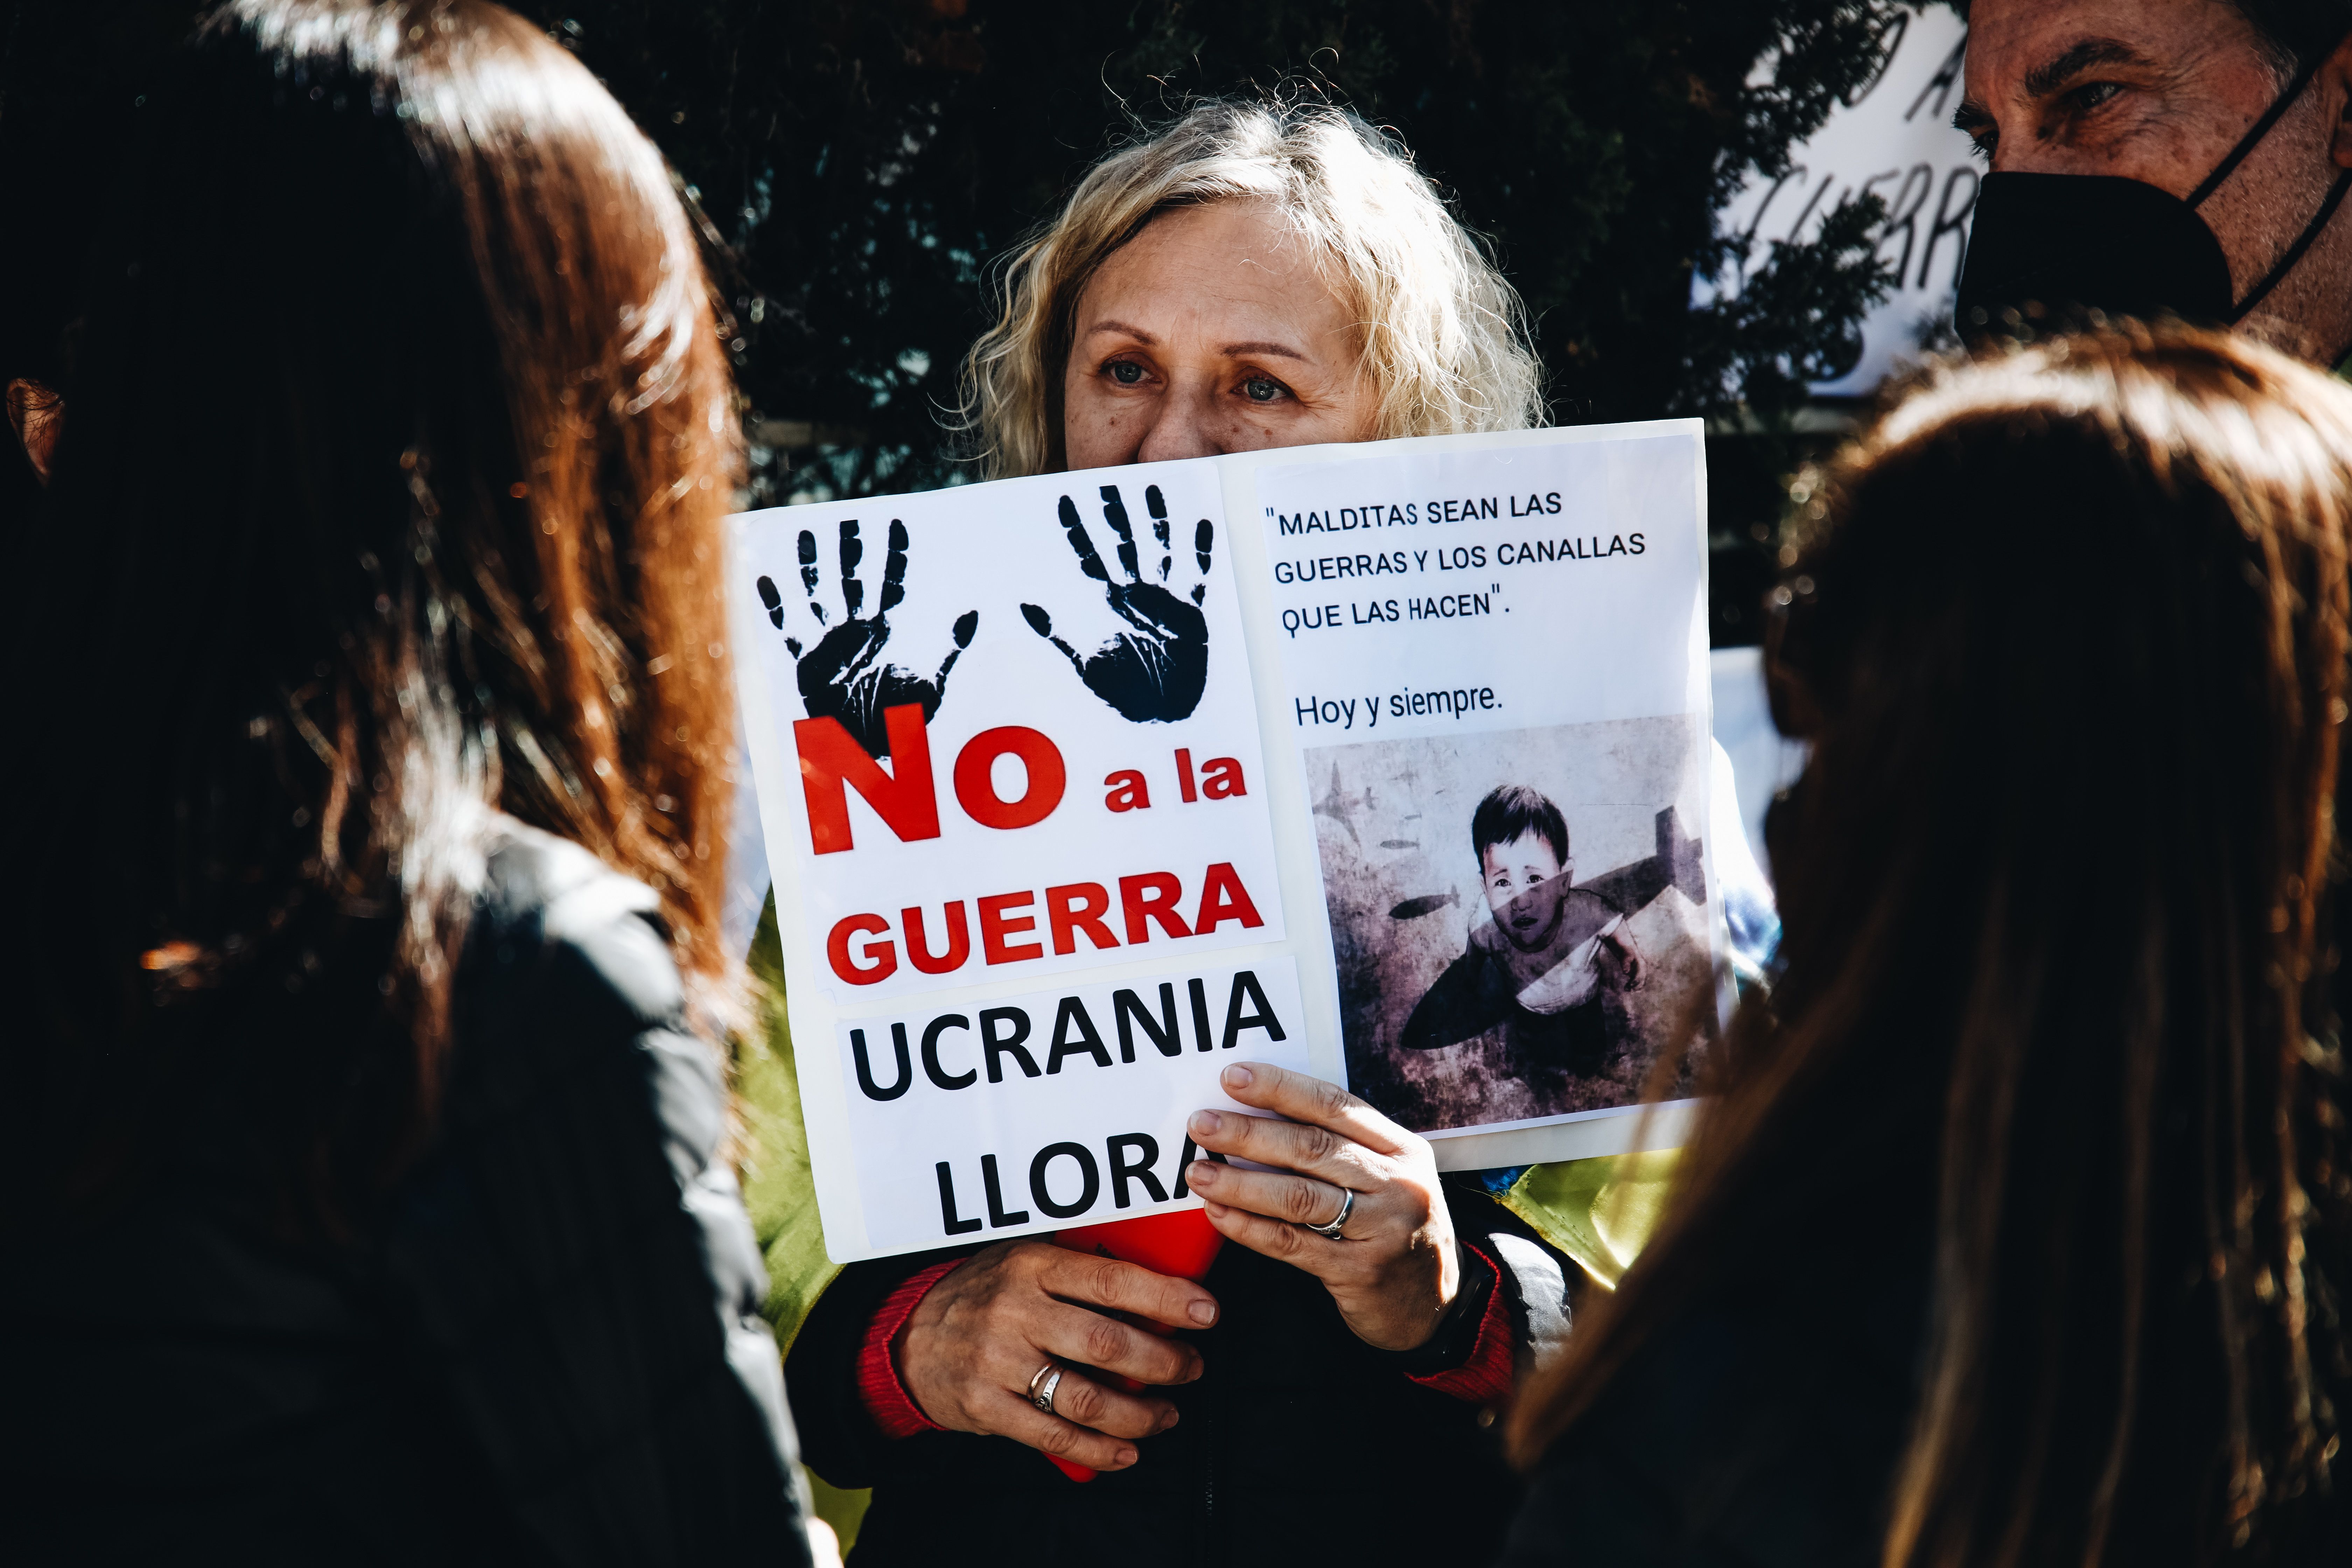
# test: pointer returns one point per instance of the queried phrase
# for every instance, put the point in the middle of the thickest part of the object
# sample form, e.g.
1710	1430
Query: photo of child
1553	966
1558	995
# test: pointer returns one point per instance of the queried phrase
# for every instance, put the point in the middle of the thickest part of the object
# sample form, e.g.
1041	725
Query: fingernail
1169	1420
1205	1123
1202	1312
1238	1077
1203	1174
1128	1456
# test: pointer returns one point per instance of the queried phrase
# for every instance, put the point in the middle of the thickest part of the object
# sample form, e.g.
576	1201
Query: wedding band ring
1042	1386
1340	1220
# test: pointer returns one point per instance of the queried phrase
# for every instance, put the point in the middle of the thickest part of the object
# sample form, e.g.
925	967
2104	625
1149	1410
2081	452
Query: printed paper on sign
1026	742
1495	670
1050	1108
1383	763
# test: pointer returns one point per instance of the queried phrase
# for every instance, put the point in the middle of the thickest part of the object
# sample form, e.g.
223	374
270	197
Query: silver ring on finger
1338	1220
1043	1387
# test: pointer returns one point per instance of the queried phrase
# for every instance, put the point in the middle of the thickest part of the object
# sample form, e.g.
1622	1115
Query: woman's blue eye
1125	371
1262	389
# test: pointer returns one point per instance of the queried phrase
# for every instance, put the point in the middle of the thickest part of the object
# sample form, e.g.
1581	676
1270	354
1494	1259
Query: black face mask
2122	247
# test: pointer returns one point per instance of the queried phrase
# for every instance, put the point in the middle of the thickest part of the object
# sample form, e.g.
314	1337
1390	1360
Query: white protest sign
1385	763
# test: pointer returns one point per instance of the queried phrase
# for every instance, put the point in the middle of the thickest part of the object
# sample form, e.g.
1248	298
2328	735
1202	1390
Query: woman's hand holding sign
1394	1269
974	1347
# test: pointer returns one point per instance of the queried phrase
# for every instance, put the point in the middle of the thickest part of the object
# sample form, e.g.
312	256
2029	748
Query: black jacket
1757	1430
1299	1442
1761	1425
542	1348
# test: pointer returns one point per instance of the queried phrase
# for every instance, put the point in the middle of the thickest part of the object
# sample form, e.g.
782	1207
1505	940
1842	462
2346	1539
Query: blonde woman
1251	276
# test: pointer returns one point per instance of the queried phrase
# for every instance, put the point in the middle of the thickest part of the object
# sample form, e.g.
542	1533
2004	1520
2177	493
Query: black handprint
844	676
1158	670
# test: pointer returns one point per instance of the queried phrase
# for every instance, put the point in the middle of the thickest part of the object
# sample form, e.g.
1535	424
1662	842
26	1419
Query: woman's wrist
881	1384
1450	1343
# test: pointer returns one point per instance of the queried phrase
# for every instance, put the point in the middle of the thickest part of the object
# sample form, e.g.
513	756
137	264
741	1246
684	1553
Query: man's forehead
2036	46
2036	67
2031	53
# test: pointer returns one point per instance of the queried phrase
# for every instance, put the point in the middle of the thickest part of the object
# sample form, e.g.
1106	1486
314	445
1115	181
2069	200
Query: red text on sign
863	951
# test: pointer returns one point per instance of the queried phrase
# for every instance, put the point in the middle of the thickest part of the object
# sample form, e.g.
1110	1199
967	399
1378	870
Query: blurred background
1746	210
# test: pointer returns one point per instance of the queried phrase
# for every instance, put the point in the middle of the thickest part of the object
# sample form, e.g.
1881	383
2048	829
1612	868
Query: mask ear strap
2262	128
2285	264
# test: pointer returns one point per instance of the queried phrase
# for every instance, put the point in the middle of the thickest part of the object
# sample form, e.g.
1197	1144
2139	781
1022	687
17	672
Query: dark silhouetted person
2015	1229
367	1185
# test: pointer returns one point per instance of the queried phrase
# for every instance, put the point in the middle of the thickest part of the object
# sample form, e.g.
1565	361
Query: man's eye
1262	389
2091	95
1125	371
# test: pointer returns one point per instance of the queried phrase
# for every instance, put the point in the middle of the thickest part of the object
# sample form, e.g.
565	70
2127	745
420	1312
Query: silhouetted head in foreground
389	496
2054	1062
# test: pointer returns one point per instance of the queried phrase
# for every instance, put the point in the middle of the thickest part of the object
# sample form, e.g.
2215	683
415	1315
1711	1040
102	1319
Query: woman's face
1210	331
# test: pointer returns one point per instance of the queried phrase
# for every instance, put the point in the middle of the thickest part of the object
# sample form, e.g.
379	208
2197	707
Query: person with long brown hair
2051	1077
367	1193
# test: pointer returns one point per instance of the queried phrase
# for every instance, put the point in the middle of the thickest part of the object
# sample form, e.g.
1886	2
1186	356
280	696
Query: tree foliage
860	164
864	160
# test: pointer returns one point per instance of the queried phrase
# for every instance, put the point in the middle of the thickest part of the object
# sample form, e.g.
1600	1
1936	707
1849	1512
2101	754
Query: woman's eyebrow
1280	350
1137	333
1230	350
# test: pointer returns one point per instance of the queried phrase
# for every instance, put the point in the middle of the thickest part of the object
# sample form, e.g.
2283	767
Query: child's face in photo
1526	884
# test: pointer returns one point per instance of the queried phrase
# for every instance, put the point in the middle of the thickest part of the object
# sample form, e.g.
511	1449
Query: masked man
2147	156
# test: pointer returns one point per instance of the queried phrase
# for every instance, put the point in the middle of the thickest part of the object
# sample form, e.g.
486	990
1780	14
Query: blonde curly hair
1445	337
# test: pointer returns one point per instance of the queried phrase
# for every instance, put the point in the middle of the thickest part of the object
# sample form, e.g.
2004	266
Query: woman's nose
1180	427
